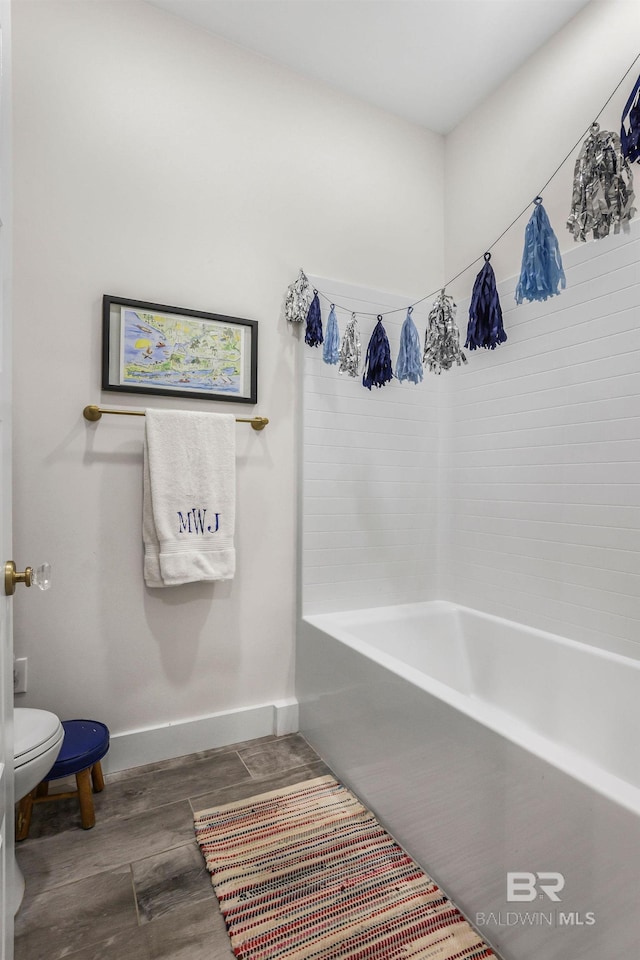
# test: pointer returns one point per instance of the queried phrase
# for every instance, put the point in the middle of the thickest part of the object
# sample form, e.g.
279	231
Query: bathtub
506	760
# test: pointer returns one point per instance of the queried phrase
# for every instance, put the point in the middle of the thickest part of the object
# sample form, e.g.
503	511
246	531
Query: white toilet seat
35	732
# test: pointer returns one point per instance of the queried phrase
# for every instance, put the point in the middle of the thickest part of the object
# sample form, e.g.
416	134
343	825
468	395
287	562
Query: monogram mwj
195	522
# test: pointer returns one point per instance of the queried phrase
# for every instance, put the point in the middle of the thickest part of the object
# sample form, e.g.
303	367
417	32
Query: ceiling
429	61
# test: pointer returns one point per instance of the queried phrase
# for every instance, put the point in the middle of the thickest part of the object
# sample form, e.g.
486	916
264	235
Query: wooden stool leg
97	777
42	790
25	809
87	815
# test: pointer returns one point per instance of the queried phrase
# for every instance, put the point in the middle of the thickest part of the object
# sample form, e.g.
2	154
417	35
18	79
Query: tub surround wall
157	162
369	474
541	458
511	484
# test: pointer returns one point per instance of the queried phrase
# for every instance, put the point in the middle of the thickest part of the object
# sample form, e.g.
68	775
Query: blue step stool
85	744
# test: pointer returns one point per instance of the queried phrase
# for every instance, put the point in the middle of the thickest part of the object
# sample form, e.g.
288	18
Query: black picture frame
156	349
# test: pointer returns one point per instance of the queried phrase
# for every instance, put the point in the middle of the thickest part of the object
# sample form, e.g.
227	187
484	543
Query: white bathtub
489	748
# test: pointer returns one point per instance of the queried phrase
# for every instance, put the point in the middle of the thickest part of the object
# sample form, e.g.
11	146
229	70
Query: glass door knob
41	577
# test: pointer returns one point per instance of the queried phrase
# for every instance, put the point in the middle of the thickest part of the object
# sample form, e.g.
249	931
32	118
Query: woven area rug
308	872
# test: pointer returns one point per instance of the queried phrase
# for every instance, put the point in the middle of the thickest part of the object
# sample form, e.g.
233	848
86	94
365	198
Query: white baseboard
137	747
285	717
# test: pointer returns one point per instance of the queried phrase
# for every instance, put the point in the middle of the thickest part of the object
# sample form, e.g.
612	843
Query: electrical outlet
20	675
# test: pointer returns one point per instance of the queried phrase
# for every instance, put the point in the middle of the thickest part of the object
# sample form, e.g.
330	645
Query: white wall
370	474
500	156
154	161
541	439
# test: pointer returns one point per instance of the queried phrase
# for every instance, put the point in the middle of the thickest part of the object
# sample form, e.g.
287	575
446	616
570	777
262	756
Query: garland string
433	293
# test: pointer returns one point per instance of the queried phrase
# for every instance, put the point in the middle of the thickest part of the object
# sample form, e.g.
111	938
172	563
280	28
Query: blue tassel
377	368
331	348
409	364
313	333
630	139
485	313
541	274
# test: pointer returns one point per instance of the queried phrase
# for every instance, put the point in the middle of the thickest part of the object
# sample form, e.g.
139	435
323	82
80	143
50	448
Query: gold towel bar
93	412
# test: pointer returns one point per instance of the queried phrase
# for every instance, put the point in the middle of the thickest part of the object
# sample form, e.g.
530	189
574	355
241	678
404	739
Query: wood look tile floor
135	886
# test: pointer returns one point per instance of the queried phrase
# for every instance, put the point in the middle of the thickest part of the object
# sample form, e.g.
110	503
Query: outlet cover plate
20	675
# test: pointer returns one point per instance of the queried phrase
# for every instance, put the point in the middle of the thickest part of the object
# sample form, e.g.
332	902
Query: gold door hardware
41	577
11	577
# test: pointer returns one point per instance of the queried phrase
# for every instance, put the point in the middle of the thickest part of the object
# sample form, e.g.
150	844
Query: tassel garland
630	138
313	333
298	299
541	273
485	313
602	187
601	203
442	338
350	349
409	365
377	370
331	348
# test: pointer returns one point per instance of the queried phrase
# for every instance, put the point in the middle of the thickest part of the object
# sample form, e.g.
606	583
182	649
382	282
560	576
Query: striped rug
308	872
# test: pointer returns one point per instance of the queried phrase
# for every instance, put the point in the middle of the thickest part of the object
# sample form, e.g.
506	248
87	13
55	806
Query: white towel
188	512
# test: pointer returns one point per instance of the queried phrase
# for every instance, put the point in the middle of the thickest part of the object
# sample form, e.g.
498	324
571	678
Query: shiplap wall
370	478
541	457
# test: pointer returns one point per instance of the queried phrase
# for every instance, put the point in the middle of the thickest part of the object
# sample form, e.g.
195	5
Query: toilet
37	739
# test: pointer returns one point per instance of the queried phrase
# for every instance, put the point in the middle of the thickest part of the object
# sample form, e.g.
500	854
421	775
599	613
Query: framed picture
152	348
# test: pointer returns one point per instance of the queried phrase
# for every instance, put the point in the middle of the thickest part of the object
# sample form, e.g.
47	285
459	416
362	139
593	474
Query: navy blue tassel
541	274
630	139
409	364
377	368
313	333
331	348
485	313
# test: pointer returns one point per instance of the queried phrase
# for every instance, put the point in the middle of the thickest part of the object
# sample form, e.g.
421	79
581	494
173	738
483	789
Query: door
6	627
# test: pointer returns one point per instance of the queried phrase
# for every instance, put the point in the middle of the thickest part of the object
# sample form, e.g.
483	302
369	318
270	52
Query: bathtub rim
564	758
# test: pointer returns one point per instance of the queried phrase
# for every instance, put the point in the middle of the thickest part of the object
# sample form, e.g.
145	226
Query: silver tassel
442	339
298	299
602	187
350	349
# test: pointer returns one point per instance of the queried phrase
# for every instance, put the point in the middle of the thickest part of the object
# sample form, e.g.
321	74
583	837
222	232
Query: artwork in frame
153	348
